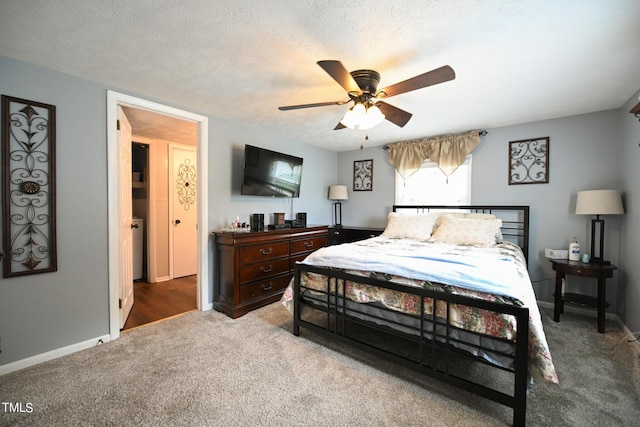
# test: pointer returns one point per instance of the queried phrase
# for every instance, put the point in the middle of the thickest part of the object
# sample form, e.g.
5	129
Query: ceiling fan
362	87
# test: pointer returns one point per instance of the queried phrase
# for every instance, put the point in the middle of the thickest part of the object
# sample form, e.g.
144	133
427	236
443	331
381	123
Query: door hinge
117	124
120	303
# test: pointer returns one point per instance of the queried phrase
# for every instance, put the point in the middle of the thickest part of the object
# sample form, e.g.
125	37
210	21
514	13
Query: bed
444	291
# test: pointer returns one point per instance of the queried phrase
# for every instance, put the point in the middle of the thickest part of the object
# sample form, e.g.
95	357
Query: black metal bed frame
430	345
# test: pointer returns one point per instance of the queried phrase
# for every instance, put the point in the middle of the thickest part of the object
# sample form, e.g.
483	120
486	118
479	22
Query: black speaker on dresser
256	221
302	219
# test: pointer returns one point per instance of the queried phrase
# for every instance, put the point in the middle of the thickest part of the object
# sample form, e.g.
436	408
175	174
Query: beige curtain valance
448	151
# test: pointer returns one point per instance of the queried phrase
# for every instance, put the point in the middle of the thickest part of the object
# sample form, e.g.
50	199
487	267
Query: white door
183	185
125	217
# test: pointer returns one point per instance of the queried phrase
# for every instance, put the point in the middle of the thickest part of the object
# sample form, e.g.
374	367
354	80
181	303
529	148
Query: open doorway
164	234
116	256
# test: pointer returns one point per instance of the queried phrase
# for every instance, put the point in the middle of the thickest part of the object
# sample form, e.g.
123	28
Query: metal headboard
515	219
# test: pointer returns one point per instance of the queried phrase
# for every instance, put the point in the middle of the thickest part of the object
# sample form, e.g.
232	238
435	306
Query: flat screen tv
270	174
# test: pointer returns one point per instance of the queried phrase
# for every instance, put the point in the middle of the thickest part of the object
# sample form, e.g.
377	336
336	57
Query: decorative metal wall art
529	161
363	175
28	188
186	184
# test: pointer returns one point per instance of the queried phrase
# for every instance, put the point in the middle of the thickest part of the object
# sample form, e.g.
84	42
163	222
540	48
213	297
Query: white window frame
430	186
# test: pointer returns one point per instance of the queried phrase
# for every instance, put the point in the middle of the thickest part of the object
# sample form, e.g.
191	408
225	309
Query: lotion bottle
574	250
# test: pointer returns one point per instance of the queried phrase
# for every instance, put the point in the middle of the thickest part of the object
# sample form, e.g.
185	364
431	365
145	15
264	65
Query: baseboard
53	354
628	333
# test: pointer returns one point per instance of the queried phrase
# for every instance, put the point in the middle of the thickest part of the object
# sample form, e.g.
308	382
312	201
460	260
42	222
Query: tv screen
270	174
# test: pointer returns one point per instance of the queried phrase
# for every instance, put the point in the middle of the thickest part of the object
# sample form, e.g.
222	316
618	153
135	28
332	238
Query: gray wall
585	154
629	273
226	160
51	310
45	312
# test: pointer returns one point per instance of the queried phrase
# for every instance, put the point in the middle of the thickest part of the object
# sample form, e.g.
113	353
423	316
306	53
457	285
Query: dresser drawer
308	245
264	287
263	269
254	268
262	251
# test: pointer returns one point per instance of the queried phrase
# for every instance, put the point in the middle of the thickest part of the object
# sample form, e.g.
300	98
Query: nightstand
338	235
598	271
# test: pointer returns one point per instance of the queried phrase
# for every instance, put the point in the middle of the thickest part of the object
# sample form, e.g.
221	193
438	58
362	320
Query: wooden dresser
253	269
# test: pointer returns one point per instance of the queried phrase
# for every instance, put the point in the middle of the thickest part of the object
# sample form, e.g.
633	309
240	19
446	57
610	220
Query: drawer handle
266	270
309	244
267	252
266	287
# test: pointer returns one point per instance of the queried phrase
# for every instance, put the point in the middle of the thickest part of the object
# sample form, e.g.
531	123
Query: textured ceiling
515	61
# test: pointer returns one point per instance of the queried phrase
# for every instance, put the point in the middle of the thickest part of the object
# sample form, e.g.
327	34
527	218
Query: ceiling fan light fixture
349	119
361	117
374	116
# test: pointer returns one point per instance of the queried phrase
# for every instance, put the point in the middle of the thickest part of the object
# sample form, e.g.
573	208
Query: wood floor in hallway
156	301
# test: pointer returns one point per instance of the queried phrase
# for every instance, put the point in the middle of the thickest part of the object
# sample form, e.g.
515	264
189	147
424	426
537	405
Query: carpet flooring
205	369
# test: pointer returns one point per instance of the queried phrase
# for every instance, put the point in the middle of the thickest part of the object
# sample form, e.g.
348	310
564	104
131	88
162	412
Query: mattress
495	273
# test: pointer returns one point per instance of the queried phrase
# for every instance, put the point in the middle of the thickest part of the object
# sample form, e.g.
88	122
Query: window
430	186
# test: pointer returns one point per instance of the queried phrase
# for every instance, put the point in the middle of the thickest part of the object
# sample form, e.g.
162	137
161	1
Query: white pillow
470	231
414	226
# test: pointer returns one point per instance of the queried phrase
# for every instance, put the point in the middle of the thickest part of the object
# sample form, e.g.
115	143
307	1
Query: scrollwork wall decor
363	175
186	184
28	187
529	161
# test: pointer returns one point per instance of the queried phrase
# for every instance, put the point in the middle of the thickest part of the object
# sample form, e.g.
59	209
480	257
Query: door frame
115	99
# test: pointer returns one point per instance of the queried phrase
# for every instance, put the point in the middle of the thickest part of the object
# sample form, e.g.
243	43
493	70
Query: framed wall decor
529	161
363	175
28	187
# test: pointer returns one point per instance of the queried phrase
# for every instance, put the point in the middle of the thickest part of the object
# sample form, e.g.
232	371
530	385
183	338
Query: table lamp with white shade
598	202
338	193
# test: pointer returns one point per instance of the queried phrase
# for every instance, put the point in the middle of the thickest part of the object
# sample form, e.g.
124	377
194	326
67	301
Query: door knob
177	221
134	225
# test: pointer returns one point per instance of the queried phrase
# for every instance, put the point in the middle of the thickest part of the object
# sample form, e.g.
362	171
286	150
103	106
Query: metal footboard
423	342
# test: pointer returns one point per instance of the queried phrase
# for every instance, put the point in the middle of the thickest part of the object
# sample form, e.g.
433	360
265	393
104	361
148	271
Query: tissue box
556	253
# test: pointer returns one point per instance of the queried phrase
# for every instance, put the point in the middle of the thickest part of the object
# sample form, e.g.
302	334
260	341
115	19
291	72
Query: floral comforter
495	273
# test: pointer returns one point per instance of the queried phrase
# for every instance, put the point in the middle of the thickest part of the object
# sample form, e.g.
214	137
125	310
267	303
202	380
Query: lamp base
337	214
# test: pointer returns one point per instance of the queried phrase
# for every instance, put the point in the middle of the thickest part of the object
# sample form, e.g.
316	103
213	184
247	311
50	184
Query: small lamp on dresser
598	202
337	193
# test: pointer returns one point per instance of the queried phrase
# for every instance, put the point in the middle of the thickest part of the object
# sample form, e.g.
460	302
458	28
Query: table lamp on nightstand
338	193
598	202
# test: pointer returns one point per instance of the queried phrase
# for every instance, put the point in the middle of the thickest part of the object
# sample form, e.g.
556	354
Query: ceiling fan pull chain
366	138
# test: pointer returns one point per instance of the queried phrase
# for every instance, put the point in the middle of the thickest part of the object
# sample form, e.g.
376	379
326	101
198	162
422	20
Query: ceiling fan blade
394	114
317	104
430	78
340	74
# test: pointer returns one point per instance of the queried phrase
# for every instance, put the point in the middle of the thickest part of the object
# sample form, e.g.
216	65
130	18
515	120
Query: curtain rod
483	132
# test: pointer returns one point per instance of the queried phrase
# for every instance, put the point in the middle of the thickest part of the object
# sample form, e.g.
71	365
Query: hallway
157	301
